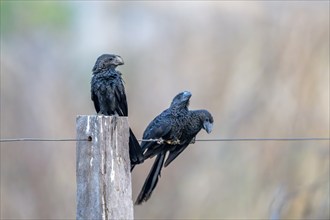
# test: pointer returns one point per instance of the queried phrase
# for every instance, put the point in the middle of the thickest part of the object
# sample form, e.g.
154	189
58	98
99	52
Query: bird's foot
173	142
169	142
193	140
160	141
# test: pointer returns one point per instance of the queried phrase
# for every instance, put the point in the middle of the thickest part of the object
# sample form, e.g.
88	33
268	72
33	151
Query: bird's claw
160	141
193	140
170	142
173	142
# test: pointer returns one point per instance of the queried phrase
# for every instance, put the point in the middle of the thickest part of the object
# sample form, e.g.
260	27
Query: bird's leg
160	141
169	142
193	140
173	142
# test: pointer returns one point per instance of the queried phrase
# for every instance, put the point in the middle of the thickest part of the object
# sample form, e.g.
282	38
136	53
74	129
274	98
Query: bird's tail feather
152	179
155	150
174	153
135	150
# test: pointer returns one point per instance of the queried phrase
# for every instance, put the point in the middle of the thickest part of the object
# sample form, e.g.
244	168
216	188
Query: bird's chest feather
178	123
191	129
193	126
107	84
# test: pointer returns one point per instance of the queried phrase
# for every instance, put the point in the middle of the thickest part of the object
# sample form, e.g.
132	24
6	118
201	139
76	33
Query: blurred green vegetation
18	15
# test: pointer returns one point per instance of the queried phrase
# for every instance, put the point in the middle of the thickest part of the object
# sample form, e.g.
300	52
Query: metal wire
40	139
157	140
250	139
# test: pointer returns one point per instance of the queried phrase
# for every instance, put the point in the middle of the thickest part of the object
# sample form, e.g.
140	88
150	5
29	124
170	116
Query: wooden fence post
104	189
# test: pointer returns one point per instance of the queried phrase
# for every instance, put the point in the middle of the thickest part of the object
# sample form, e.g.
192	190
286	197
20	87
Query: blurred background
261	68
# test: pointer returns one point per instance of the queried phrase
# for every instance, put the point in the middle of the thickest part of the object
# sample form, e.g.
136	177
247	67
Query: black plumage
177	127
109	97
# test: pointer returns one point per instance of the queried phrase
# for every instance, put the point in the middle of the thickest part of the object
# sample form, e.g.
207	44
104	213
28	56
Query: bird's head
107	61
181	100
207	120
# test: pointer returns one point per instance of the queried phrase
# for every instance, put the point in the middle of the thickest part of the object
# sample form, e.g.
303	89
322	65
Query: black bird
176	128
109	97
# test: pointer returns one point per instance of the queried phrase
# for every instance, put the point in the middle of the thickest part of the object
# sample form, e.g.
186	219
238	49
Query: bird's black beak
118	61
186	95
208	126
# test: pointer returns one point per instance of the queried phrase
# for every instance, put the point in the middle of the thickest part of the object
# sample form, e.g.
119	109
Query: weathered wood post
104	189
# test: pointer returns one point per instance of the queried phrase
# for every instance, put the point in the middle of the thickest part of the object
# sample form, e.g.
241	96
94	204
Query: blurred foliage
18	15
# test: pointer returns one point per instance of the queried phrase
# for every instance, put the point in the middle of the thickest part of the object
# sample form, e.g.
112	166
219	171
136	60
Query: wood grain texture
104	189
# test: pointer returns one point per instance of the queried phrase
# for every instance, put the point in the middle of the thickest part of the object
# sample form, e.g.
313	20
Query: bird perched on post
175	128
109	97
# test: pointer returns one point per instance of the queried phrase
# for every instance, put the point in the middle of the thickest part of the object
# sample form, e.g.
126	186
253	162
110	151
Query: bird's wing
135	151
154	149
160	127
95	101
174	152
120	96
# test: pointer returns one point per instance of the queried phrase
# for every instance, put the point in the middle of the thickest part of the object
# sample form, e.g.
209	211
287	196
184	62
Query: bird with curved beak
176	127
109	97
